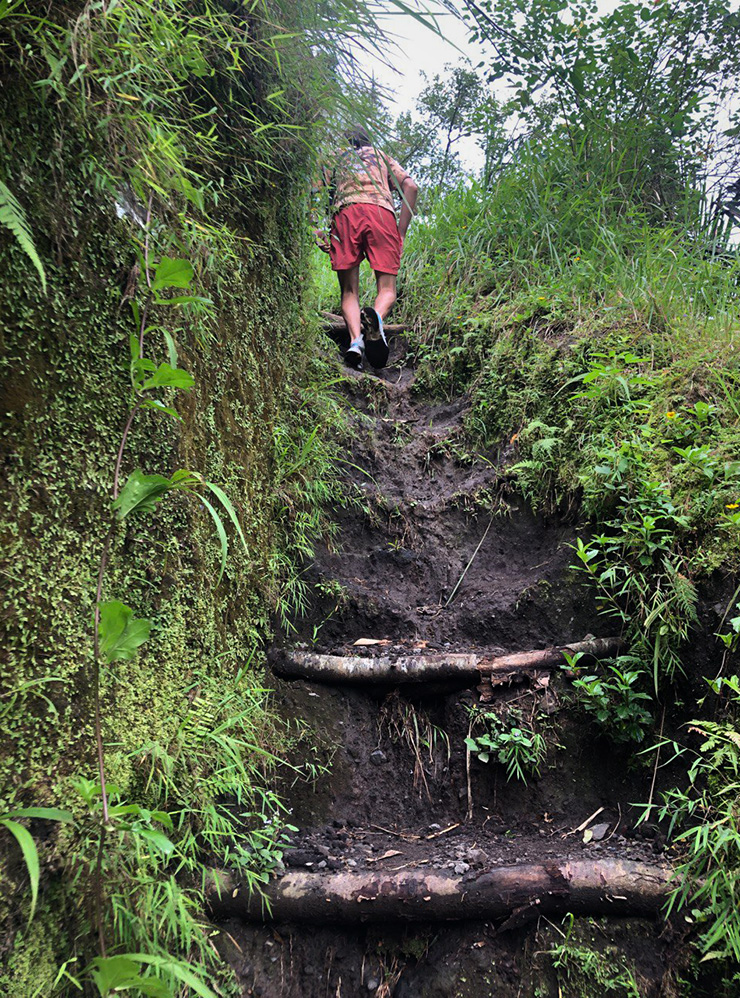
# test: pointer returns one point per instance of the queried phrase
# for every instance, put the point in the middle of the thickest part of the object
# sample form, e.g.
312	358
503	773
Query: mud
437	554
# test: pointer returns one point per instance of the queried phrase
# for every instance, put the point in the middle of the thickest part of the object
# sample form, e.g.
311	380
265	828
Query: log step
421	667
512	894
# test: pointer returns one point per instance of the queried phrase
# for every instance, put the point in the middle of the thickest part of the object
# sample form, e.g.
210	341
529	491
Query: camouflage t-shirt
364	176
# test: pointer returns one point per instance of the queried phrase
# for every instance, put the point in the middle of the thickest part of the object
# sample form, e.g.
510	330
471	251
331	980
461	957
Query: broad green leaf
221	536
48	813
119	974
177	968
183	300
161	407
169	377
141	493
171	348
227	505
120	632
30	854
172	274
158	839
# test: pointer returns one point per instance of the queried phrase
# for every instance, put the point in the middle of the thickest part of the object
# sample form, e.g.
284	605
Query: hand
322	240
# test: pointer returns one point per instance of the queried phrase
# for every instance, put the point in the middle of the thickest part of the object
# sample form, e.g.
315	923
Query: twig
472	559
444	831
400	835
584	824
649	807
467	773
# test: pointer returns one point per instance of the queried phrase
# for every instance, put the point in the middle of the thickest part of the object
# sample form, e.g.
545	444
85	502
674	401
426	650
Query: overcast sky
418	50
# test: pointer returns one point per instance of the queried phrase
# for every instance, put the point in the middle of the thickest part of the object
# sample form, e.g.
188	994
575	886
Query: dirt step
515	894
420	667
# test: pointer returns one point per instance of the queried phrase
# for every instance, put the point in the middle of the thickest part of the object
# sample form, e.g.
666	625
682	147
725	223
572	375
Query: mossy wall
64	398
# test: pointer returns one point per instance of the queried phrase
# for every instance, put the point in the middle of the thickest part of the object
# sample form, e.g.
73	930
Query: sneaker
376	345
355	353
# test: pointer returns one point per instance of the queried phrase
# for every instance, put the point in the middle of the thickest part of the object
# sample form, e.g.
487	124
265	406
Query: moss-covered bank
187	728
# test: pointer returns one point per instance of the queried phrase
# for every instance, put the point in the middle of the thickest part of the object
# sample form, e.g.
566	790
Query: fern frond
14	218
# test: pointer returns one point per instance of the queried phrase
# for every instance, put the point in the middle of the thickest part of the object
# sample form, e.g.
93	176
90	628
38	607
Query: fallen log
510	893
419	668
338	328
335	324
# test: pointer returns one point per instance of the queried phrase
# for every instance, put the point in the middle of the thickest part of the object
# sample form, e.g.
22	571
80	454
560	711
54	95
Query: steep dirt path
411	826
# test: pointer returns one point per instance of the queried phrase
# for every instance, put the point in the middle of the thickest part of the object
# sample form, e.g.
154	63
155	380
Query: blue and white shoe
355	353
376	345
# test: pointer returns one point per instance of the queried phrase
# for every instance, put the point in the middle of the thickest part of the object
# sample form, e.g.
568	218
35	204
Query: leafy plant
13	217
9	821
614	700
704	818
516	746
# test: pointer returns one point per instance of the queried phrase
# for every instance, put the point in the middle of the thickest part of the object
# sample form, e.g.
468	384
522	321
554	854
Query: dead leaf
587	836
366	642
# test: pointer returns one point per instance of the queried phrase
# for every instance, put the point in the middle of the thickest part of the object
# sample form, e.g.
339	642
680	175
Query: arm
318	209
409	193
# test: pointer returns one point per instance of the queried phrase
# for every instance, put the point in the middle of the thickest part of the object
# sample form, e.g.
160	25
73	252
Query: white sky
420	50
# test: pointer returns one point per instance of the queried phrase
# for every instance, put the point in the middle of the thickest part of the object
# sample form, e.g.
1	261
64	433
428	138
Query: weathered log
337	328
511	893
419	668
335	324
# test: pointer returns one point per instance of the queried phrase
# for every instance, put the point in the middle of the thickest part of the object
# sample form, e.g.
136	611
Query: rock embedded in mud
378	757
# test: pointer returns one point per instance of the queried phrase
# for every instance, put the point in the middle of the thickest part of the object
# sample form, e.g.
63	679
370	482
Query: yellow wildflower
732	505
670	415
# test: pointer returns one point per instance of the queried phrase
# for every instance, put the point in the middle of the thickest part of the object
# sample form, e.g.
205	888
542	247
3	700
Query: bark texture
513	893
425	668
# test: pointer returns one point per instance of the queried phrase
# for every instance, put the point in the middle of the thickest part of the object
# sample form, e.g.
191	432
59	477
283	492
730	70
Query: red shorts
365	230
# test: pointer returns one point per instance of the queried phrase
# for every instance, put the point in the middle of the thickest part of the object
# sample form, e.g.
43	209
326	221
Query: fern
13	217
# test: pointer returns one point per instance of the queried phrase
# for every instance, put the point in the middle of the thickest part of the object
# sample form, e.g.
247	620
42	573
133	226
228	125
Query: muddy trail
418	869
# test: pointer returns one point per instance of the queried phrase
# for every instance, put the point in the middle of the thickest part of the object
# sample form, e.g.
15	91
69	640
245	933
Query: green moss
65	395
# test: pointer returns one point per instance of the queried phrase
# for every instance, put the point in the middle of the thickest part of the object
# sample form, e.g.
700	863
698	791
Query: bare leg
386	294
349	283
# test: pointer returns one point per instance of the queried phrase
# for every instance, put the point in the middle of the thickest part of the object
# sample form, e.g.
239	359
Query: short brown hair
357	136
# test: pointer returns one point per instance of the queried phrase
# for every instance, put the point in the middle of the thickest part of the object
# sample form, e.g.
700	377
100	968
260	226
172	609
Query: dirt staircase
419	870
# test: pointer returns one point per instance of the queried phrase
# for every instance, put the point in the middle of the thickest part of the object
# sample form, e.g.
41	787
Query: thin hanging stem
98	875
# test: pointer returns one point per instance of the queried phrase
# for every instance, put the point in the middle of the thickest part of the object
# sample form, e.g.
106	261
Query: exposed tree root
425	668
514	894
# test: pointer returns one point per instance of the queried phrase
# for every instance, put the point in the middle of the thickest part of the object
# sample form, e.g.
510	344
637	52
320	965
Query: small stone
461	868
372	984
378	757
434	827
599	831
321	865
352	863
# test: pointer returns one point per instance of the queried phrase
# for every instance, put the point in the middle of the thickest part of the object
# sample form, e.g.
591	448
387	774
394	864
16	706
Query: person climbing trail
361	180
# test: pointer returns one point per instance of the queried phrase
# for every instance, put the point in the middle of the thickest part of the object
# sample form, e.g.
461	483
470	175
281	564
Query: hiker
361	181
